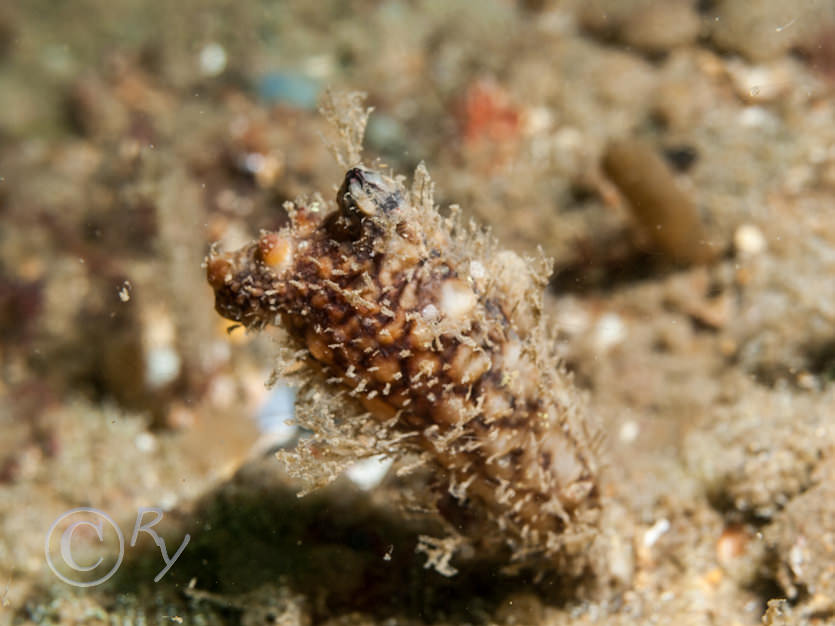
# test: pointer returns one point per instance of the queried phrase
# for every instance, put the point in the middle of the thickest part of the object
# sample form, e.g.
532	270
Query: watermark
87	525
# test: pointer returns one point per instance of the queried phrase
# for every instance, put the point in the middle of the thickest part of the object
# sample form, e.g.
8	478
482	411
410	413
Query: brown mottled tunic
439	337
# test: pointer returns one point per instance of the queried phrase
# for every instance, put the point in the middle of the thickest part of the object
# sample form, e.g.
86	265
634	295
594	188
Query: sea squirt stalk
440	337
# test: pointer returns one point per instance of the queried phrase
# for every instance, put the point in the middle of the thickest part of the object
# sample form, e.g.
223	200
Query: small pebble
212	59
145	442
124	292
629	431
538	120
168	501
661	26
655	532
731	545
320	66
806	381
763	30
749	240
759	83
162	367
757	117
609	331
288	88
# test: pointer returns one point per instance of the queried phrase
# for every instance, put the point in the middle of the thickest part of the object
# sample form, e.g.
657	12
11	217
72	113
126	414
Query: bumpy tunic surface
440	337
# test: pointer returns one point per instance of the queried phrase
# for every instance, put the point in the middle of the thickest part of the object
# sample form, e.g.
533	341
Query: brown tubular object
439	337
664	211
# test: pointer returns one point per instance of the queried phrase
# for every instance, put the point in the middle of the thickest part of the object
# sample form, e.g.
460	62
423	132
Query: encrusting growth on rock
439	337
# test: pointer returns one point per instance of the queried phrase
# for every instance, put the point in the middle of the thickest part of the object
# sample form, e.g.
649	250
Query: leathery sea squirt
439	336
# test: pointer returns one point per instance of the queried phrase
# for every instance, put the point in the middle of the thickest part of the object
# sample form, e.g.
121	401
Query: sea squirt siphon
440	337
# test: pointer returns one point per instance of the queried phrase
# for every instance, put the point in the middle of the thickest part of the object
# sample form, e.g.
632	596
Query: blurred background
675	159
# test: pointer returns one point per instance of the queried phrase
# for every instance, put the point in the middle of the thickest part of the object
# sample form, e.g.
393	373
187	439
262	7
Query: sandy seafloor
135	133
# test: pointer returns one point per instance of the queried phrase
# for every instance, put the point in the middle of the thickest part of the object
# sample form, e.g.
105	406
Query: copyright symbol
84	530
